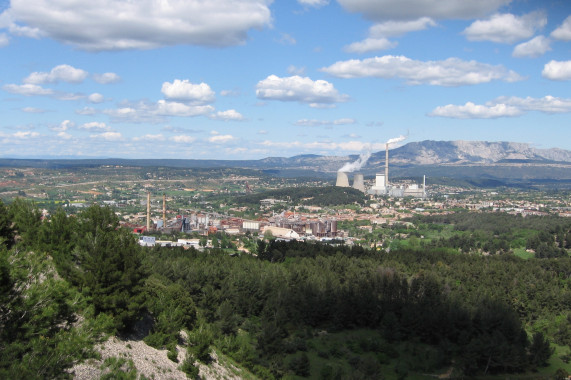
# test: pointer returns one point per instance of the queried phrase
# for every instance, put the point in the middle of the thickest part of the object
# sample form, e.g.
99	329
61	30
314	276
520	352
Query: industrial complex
382	186
287	225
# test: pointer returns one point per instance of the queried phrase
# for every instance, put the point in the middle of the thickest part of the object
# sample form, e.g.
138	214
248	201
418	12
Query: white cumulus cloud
547	104
475	111
379	10
166	108
108	136
155	112
557	70
25	134
298	89
27	89
106	78
563	32
183	90
315	122
96	98
63	126
370	44
183	139
141	24
221	139
533	48
64	135
450	72
149	137
378	34
504	106
393	28
61	73
95	126
228	115
506	28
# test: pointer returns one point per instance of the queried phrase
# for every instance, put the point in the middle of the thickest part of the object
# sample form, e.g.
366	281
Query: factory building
303	227
252	226
380	186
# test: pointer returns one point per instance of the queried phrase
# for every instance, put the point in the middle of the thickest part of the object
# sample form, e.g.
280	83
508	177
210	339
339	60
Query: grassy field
522	253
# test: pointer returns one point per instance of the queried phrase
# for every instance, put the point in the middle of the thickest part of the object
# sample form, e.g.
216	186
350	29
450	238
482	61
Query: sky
248	79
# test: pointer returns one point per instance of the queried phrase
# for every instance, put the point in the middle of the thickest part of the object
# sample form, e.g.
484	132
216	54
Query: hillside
470	152
457	159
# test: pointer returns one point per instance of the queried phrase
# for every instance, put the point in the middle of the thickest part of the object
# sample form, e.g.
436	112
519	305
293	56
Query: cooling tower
359	182
342	179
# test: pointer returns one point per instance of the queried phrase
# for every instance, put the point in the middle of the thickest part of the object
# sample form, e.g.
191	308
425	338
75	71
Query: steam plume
396	140
353	166
364	157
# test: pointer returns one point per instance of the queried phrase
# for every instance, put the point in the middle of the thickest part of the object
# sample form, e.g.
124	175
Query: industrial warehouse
287	226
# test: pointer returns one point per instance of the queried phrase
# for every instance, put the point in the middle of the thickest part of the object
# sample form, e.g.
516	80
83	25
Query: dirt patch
150	362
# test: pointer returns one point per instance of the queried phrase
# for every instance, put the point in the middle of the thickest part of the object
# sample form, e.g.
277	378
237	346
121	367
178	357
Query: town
232	208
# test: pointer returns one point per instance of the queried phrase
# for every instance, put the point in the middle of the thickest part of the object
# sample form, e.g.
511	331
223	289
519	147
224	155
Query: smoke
396	140
354	166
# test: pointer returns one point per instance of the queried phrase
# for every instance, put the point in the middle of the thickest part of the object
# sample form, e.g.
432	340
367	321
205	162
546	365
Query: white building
147	241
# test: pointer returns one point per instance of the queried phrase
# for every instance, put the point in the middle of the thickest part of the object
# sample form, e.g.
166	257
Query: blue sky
248	79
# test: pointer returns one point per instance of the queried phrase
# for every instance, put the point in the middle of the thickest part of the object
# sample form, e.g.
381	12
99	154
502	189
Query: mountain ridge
458	158
430	152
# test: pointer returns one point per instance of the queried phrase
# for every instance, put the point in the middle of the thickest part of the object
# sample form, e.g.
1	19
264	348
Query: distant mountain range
455	159
472	152
444	157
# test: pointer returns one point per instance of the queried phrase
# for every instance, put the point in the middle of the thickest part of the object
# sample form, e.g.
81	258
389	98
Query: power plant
382	185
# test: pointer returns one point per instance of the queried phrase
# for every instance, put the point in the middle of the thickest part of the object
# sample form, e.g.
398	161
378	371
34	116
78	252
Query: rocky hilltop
469	152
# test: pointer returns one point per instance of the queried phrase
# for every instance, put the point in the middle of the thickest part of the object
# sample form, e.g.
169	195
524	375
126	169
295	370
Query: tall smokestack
148	211
387	165
164	210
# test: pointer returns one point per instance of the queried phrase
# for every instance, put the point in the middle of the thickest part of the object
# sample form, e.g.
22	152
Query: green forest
295	309
304	195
